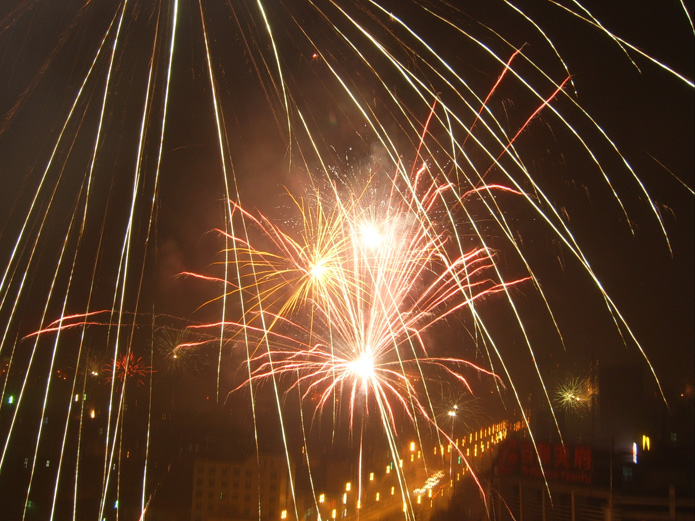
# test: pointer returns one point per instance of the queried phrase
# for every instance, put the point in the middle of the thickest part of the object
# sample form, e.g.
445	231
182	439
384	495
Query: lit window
646	443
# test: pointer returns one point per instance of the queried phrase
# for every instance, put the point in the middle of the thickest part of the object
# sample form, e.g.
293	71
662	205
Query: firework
575	395
381	285
181	351
126	368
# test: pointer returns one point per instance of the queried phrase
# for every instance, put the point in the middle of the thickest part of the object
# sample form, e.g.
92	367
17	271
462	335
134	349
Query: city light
646	443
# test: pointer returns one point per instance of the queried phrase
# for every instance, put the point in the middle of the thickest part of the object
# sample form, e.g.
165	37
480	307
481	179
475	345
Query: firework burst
369	288
575	395
126	368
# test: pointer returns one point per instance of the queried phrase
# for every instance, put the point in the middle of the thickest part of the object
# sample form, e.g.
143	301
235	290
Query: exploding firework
429	143
382	284
575	395
127	368
180	351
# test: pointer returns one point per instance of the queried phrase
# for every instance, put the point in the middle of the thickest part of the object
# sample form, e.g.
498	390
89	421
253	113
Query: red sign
566	463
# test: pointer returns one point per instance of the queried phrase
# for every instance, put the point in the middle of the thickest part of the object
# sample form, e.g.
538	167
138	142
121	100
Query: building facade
256	488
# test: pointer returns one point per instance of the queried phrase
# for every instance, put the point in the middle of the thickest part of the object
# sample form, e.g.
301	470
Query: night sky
50	176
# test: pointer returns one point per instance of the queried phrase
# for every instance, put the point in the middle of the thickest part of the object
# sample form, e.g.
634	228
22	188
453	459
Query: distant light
345	498
92	413
322	498
371	476
646	443
10	400
283	515
634	453
348	486
412	446
115	504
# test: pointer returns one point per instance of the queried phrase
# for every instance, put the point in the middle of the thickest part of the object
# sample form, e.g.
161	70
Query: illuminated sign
566	463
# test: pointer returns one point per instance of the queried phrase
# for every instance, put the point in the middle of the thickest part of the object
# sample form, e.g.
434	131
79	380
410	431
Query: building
227	490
